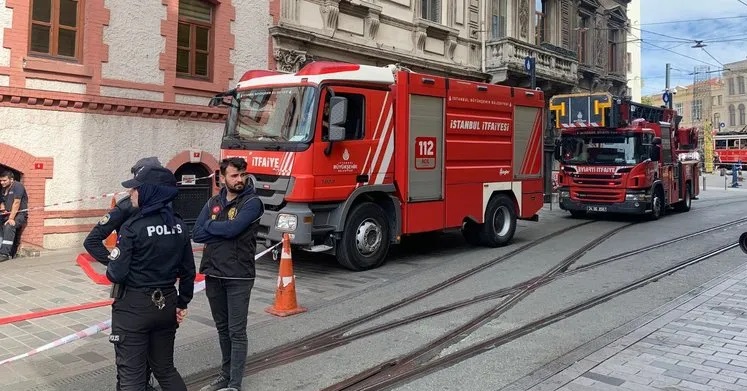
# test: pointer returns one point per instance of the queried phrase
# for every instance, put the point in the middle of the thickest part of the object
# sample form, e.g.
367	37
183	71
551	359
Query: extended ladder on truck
604	110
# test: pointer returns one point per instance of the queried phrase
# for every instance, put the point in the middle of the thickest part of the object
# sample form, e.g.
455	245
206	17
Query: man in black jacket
153	250
110	222
228	226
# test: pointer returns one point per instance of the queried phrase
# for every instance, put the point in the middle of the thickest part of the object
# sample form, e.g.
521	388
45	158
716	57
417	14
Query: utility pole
668	92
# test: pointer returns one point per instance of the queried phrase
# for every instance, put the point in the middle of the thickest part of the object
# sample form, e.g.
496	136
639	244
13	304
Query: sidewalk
53	280
698	343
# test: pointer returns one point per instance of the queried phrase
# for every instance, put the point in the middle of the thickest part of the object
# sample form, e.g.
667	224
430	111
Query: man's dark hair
7	174
236	162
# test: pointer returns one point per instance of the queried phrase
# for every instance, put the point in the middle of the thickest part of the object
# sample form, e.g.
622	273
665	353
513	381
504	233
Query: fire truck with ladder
619	156
349	158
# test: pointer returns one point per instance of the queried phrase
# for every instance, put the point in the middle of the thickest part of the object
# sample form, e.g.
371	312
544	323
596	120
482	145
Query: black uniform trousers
142	334
8	233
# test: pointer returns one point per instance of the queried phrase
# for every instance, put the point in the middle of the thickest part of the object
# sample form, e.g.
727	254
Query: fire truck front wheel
365	239
657	204
500	222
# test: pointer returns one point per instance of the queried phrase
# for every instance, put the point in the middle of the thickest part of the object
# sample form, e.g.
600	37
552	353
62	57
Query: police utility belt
157	295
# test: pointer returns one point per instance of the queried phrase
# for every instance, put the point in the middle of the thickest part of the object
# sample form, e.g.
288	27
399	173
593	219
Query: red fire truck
619	156
349	158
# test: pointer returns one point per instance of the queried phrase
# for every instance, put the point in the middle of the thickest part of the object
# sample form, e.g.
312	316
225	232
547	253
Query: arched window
741	114
732	116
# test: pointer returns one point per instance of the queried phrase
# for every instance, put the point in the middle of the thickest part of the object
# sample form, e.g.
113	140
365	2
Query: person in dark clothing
113	219
735	169
153	250
110	222
16	204
228	226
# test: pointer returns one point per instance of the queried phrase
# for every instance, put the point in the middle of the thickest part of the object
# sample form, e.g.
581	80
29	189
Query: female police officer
153	250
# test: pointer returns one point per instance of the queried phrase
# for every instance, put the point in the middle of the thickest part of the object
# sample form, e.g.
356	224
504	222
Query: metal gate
192	196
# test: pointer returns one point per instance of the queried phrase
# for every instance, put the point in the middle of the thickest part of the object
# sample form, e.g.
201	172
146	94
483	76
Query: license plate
596	208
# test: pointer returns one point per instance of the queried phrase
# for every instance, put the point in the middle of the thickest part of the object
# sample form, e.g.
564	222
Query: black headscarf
154	199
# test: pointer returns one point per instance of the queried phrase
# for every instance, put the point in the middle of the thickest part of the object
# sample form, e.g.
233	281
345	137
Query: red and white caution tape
92	198
200	286
79	335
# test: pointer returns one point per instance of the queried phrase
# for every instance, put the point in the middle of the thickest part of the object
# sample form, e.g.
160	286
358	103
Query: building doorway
192	196
17	174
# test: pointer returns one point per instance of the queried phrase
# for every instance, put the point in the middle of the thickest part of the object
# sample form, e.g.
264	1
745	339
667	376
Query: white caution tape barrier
92	198
200	286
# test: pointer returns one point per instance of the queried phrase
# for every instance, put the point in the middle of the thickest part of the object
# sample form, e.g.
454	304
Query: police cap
146	161
154	175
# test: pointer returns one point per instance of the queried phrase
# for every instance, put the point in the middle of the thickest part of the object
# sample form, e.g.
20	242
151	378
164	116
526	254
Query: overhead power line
694	20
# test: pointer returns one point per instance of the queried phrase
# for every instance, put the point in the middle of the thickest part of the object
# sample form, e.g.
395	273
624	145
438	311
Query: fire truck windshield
281	114
605	149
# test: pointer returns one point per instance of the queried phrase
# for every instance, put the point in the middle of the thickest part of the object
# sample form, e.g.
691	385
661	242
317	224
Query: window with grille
498	19
56	28
431	10
697	109
194	36
613	65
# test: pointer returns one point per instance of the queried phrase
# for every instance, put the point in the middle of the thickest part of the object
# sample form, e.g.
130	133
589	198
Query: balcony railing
509	54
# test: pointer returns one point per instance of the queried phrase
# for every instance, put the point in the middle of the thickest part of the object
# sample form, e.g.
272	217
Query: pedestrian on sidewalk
153	250
735	169
17	202
110	222
228	226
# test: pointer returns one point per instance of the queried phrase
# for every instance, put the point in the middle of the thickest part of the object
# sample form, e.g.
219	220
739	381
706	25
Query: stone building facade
89	86
440	37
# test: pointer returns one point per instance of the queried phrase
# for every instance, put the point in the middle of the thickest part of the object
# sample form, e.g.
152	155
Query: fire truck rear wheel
365	238
500	222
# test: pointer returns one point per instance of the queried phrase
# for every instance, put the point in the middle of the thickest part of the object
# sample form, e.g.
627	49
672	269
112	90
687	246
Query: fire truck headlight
286	222
637	197
564	194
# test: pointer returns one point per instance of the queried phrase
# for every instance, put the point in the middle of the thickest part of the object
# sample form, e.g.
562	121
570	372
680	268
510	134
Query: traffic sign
722	125
528	63
665	97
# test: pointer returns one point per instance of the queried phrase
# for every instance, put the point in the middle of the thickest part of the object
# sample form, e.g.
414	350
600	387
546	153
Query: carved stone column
289	60
418	38
600	42
330	10
289	10
372	23
450	44
524	18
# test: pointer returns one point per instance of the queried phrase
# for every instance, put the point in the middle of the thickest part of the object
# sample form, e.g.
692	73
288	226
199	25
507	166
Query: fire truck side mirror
656	150
338	113
338	110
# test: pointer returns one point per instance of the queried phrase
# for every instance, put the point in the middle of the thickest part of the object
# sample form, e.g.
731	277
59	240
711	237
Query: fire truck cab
618	156
348	158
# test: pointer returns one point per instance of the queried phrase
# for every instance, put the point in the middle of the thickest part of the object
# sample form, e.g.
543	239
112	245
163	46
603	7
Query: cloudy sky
720	24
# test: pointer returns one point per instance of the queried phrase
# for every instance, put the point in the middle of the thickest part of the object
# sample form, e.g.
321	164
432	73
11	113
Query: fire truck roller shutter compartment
425	170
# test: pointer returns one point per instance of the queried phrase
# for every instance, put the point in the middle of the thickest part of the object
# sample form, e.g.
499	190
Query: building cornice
305	38
93	104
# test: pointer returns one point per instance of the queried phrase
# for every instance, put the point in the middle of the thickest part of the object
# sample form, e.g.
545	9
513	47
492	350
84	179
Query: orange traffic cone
285	295
111	240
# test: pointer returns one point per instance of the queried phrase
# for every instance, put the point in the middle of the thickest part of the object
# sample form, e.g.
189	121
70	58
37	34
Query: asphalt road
520	359
436	258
